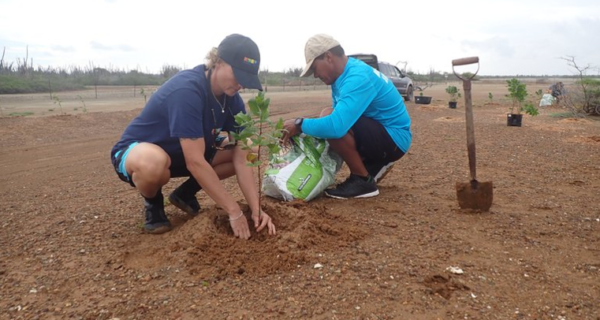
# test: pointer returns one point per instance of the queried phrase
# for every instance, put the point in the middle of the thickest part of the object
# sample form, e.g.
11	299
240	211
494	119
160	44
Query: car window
389	70
399	73
394	72
381	68
384	69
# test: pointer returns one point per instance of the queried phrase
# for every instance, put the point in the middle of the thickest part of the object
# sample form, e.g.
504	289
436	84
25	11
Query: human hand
262	220
290	129
239	225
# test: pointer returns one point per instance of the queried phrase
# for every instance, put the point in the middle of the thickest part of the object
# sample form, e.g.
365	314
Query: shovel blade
475	195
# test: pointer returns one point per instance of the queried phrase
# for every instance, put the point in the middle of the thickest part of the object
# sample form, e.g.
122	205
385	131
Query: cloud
509	36
120	47
63	49
498	46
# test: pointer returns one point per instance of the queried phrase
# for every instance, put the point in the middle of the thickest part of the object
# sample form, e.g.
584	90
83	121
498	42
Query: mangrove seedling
453	91
56	100
82	102
517	92
143	93
258	132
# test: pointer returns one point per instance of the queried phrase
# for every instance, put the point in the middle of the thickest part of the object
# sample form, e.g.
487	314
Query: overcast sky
525	37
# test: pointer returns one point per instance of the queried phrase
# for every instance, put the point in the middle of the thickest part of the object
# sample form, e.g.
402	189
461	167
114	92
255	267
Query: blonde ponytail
212	58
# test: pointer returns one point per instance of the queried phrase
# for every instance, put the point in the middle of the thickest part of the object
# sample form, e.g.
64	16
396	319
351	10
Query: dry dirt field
72	247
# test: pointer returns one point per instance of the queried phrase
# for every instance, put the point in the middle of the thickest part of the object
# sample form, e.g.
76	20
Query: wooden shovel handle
470	130
464	61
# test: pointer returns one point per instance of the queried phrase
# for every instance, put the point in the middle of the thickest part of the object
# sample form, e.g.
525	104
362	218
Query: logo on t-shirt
381	75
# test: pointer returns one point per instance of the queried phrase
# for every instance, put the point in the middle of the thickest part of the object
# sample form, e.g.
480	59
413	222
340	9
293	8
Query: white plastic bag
303	172
547	100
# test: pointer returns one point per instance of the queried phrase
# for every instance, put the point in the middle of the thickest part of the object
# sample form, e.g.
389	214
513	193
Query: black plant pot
452	104
514	120
422	100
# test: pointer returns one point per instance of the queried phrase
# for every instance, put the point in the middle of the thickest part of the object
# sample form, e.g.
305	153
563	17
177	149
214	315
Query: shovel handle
470	130
464	61
469	112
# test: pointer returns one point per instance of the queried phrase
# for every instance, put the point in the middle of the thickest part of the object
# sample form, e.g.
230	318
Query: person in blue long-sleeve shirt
368	124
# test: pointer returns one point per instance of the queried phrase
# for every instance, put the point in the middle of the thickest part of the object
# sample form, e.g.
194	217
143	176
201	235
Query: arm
193	151
245	178
355	95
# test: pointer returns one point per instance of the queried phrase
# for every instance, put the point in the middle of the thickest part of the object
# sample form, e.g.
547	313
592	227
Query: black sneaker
156	220
187	203
354	187
378	170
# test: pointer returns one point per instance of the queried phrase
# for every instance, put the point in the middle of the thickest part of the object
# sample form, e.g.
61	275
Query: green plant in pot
422	99
517	92
454	93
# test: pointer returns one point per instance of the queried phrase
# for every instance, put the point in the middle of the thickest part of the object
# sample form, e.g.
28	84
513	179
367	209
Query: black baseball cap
242	54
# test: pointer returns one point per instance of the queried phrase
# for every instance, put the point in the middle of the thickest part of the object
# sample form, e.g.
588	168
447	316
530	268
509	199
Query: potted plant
421	99
517	92
454	93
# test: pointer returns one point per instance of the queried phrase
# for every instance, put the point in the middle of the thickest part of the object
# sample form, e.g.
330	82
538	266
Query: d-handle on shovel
473	195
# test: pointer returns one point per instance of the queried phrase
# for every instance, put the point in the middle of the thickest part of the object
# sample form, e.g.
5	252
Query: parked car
403	83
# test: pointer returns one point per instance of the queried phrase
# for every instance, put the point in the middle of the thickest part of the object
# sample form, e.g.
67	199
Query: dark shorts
374	143
178	167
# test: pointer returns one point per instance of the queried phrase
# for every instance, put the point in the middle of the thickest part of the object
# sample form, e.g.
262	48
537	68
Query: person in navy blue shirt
368	124
182	132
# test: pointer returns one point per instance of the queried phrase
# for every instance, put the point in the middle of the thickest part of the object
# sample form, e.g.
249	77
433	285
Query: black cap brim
247	80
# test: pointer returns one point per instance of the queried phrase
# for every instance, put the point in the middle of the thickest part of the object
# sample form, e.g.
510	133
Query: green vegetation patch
561	115
20	114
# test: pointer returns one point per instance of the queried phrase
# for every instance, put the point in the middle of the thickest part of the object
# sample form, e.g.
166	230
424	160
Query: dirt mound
450	119
574	120
206	248
593	140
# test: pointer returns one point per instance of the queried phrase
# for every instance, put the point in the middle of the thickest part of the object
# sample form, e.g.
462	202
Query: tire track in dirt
63	158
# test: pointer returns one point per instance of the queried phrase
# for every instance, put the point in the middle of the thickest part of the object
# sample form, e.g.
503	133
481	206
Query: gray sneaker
354	187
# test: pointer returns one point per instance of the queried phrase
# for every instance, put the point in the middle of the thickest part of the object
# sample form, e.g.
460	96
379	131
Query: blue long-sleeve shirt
363	91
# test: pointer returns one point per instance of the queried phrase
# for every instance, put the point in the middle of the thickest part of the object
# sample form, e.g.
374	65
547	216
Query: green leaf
264	115
241	119
251	124
530	109
274	148
254	109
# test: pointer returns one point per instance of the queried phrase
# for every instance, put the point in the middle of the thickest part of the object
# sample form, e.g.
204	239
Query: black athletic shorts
374	143
178	167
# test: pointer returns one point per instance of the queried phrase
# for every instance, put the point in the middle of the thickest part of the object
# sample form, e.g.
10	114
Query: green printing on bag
308	174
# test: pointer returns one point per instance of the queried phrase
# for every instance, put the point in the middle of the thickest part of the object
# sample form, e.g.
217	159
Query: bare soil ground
72	247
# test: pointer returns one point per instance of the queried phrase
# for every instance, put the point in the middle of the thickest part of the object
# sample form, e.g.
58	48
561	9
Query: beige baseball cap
316	46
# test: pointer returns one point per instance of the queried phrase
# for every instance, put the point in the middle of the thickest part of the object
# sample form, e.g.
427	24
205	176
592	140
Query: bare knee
148	164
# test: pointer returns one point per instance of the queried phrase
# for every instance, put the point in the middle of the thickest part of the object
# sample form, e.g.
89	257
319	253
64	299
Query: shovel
473	194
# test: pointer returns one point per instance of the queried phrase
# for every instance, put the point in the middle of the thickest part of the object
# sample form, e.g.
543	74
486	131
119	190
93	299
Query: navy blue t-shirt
183	107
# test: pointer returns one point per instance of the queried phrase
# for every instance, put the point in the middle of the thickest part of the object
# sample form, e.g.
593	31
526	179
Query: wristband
241	215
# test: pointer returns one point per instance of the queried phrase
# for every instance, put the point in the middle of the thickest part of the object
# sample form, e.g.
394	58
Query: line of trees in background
22	77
